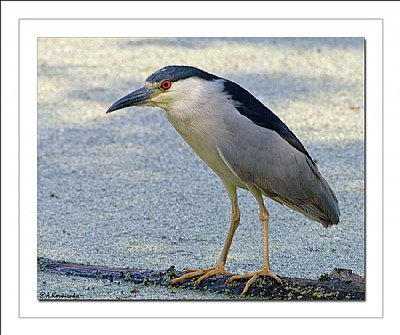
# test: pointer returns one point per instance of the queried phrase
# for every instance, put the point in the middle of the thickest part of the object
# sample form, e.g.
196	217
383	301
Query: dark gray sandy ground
125	190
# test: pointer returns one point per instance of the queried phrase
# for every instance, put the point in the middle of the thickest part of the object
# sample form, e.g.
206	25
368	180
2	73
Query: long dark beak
136	98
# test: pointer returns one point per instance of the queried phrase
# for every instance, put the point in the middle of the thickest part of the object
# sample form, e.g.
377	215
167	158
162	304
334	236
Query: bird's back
261	157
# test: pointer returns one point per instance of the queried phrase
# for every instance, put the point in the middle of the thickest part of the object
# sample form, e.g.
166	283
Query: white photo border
32	29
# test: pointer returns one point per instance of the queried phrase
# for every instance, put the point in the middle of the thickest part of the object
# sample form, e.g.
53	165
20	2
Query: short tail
323	208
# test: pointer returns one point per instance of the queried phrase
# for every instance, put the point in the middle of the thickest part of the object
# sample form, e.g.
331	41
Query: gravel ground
125	190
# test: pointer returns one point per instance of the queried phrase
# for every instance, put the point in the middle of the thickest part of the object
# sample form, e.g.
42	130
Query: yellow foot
253	277
204	273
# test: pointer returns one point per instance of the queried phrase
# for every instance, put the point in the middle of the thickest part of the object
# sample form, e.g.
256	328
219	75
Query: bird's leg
219	268
265	269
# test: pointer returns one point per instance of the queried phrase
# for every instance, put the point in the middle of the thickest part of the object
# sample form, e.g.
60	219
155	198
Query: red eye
166	84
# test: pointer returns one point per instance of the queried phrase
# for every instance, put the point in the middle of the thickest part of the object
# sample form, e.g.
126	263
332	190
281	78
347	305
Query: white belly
203	140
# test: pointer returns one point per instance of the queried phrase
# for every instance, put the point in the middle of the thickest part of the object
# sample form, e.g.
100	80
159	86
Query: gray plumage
279	170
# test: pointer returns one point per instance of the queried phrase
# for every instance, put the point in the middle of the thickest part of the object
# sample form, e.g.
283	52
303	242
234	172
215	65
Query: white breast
203	128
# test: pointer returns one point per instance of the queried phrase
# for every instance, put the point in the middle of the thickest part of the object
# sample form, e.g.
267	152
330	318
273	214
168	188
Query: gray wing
261	157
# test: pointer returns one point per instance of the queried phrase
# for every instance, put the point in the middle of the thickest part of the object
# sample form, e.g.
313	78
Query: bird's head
170	87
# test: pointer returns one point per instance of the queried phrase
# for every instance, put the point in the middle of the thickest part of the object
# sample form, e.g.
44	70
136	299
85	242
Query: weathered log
340	284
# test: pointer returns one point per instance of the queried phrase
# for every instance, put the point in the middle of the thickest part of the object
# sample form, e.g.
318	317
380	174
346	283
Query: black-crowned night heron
245	144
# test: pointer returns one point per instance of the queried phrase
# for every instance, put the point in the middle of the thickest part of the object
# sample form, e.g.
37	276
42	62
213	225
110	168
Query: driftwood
340	284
